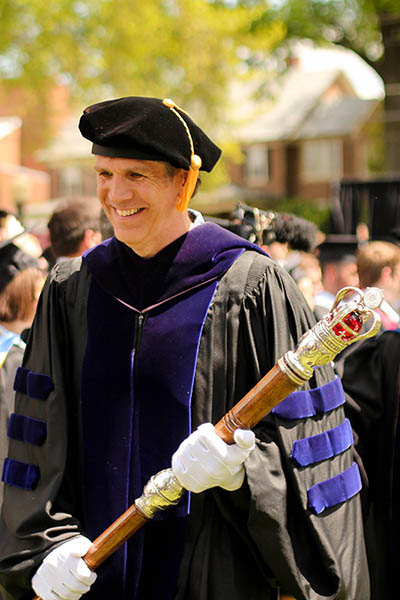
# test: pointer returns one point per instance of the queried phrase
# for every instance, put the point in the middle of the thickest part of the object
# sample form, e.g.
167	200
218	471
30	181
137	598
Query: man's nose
119	189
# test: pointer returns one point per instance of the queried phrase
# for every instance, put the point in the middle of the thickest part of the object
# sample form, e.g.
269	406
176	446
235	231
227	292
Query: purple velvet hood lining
202	254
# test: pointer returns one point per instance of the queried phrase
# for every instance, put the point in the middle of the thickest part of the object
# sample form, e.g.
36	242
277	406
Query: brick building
316	132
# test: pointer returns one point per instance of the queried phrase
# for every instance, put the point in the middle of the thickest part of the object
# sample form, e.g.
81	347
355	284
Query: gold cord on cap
195	161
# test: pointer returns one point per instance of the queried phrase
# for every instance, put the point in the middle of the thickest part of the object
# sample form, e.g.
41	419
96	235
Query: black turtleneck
145	278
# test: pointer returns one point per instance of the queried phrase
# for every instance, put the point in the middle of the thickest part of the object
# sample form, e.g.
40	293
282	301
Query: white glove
204	460
63	574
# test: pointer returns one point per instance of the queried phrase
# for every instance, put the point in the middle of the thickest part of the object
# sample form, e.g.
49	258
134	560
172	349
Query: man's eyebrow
138	170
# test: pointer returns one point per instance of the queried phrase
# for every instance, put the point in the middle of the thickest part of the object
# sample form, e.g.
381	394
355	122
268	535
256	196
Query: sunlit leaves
187	49
354	24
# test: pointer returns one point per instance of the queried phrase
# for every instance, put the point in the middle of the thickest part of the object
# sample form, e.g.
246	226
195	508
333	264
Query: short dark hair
300	234
69	222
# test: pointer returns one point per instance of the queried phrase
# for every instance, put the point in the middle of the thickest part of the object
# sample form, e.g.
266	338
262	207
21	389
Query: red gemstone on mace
352	322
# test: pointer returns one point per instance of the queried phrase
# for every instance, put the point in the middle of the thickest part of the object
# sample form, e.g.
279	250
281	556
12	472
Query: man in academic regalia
151	334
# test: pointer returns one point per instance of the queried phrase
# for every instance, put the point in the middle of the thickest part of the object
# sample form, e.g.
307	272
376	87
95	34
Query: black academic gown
371	379
236	545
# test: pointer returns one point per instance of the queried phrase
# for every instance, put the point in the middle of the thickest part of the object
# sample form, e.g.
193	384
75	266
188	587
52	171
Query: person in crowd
287	236
288	239
308	276
281	235
337	256
11	229
21	281
74	227
371	379
378	265
362	233
136	349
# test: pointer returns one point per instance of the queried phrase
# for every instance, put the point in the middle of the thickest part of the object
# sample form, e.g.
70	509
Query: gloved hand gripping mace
339	328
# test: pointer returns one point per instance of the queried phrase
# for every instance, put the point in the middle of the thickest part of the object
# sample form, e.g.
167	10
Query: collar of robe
202	254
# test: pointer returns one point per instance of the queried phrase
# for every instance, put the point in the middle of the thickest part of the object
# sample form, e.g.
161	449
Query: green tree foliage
187	48
183	49
353	24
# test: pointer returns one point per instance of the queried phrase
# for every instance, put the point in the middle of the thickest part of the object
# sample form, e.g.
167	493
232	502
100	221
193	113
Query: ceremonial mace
339	328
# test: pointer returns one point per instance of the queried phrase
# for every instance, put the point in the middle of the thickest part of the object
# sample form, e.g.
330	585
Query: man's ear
183	175
386	274
91	238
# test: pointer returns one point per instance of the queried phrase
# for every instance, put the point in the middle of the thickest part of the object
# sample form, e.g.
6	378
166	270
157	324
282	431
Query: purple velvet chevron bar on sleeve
335	490
20	474
26	429
322	446
307	403
34	385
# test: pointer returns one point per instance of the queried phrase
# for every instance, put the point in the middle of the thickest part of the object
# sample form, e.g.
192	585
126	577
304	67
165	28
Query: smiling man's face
139	198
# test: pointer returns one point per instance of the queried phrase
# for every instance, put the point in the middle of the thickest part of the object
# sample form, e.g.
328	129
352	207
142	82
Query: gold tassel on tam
190	183
195	162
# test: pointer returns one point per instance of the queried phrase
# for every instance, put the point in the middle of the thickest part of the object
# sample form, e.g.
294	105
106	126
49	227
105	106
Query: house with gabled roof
315	133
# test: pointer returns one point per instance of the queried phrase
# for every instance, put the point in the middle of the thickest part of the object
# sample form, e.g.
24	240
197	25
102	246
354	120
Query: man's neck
16	326
180	227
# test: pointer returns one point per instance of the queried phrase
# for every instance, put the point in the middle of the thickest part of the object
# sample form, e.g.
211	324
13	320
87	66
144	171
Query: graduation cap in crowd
339	248
150	129
13	260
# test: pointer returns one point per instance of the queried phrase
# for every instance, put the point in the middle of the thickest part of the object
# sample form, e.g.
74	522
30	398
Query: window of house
70	181
256	169
321	160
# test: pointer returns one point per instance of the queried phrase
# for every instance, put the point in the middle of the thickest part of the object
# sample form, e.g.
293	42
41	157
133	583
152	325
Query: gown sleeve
40	498
313	561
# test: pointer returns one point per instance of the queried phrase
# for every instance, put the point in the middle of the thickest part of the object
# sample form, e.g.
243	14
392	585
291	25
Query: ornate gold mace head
343	325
